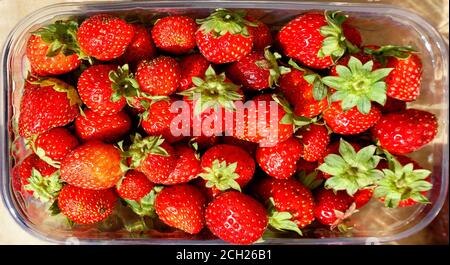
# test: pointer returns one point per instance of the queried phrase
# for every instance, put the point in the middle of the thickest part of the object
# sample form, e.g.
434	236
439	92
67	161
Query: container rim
92	6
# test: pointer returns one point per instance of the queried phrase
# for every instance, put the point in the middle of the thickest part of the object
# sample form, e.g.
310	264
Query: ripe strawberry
46	104
280	160
351	121
107	128
328	203
158	119
262	36
250	147
361	56
405	132
257	70
85	206
192	65
226	166
92	165
140	48
393	105
182	207
159	76
223	37
52	49
308	174
236	218
175	34
316	40
362	197
351	33
53	145
134	186
104	37
315	140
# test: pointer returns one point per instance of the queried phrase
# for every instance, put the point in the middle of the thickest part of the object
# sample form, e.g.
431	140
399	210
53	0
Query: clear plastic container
379	24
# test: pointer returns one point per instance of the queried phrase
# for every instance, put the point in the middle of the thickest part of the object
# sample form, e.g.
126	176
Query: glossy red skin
43	108
94	88
104	37
393	105
363	57
262	36
362	197
299	93
333	148
280	161
160	119
405	132
159	76
247	73
107	128
140	48
250	147
352	121
56	143
192	65
92	165
327	202
230	154
134	186
22	171
224	49
85	206
403	82
182	207
43	65
315	140
187	166
236	218
351	33
175	34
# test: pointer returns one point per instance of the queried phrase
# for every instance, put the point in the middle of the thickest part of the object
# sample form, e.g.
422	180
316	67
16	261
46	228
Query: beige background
436	11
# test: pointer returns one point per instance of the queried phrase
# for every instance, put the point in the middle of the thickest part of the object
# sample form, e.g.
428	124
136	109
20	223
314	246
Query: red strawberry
351	33
328	202
85	206
280	160
303	39
175	34
351	121
47	104
305	166
262	36
250	147
92	165
52	50
192	65
107	128
236	218
361	56
182	207
393	105
405	132
159	76
134	186
104	37
55	144
308	174
362	197
158	119
315	140
223	37
226	166
140	48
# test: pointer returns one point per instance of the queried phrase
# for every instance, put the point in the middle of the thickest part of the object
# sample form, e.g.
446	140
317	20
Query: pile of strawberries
96	114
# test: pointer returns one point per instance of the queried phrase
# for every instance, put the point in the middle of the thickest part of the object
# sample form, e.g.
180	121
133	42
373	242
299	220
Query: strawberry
52	50
362	197
316	40
175	34
104	37
192	65
250	147
308	174
361	56
92	165
203	142
107	128
393	105
351	33
134	186
46	104
262	36
315	140
159	76
257	70
405	132
53	145
331	208
140	48
226	166
85	206
182	207
280	160
223	37
236	218
351	121
158	119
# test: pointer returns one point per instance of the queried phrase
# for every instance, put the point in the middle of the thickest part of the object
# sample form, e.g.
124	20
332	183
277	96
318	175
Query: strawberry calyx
271	64
309	180
214	91
358	85
320	91
341	217
141	147
123	84
335	44
59	86
281	221
44	188
146	205
381	53
221	175
351	170
401	183
290	117
223	21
